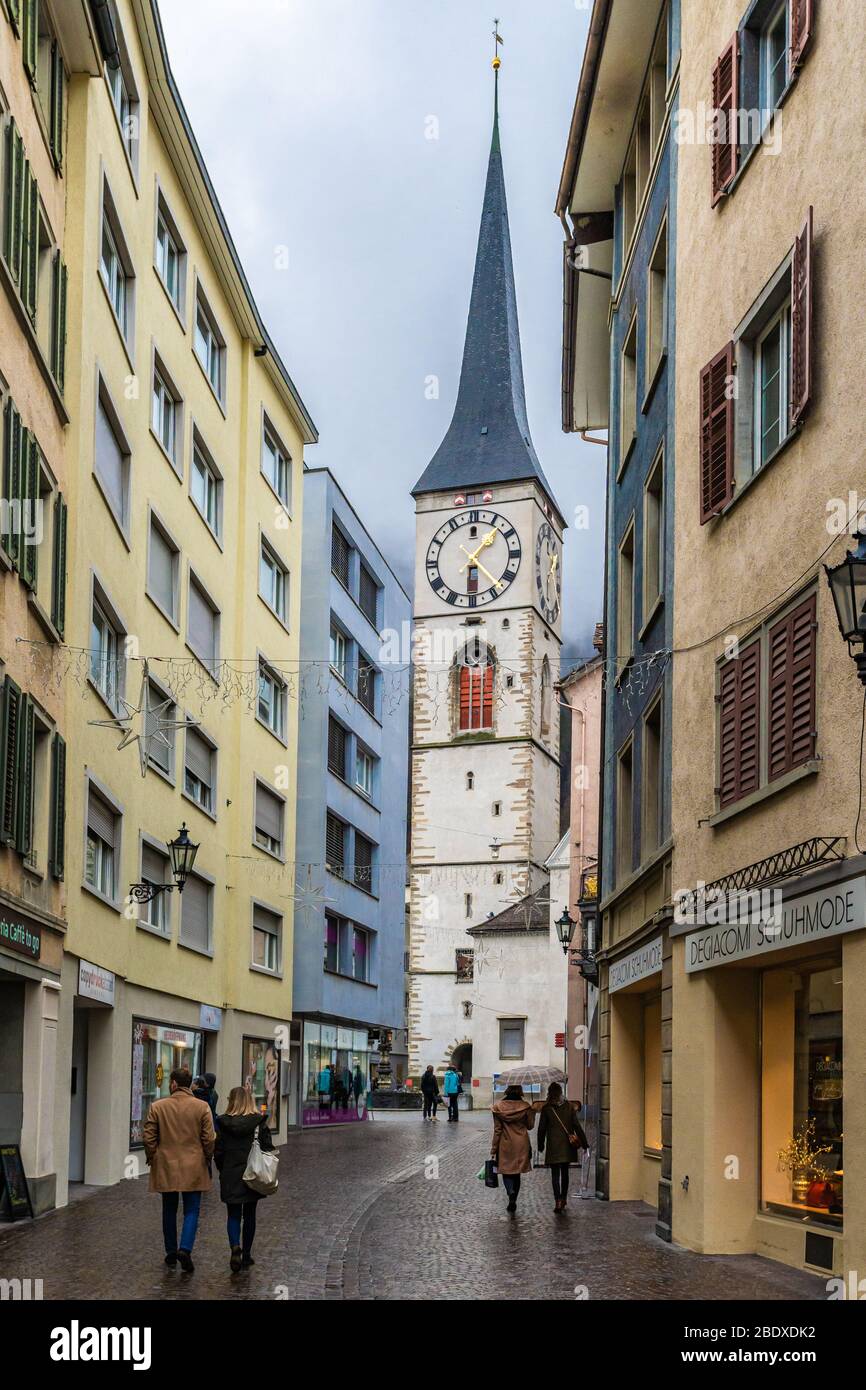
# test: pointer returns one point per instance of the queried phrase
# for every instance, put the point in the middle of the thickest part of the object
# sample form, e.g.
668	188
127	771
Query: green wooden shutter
14	199
9	778
57	849
29	550
30	39
15	14
58	87
58	320
58	578
12	479
24	809
30	242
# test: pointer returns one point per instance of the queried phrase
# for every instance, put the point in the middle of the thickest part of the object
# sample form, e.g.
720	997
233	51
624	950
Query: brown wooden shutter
801	323
739	726
717	433
802	23
791	719
724	148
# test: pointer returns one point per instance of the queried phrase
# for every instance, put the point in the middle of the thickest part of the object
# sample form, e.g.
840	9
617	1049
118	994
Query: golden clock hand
485	541
497	583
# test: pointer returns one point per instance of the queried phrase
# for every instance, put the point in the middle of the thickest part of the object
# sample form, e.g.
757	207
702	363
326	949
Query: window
269	818
364	771
196	913
648	130
209	345
657	306
624	814
206	486
467	905
163	570
625	601
774	58
470	781
340	552
772	370
511	1039
111	458
273	582
107	665
271	705
170	255
267	937
203	626
166	411
546	699
475	692
802	1091
368	595
651	782
464	965
332	943
653	538
199	771
766	704
366	685
155	871
335	845
360	963
497	808
115	267
100	860
124	97
160	705
336	747
628	393
364	868
276	465
338	653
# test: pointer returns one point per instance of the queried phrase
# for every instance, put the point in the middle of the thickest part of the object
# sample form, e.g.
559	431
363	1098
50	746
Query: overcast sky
358	232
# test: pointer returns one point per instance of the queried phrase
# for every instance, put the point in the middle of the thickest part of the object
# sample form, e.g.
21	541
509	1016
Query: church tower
485	735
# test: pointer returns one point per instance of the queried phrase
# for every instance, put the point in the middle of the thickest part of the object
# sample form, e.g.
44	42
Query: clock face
473	558
548	572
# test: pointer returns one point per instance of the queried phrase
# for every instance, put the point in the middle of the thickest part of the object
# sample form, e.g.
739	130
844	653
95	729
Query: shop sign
210	1018
638	965
21	937
95	983
810	918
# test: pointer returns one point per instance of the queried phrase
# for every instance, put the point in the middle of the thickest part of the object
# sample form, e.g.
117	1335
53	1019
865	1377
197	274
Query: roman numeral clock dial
548	572
473	558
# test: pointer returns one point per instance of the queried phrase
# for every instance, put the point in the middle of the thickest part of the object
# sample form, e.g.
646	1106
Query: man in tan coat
179	1139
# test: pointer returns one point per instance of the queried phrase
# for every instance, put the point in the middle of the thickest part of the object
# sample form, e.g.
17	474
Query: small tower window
497	808
499	877
509	682
506	622
467	904
470	781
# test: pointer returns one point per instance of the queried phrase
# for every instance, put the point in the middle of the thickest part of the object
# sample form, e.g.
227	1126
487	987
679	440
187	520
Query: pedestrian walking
430	1093
234	1140
451	1087
178	1142
513	1118
561	1138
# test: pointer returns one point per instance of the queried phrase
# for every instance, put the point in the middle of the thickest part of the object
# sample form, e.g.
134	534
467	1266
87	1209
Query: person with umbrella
511	1151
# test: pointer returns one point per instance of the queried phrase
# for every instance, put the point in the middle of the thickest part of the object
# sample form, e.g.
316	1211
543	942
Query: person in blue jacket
452	1088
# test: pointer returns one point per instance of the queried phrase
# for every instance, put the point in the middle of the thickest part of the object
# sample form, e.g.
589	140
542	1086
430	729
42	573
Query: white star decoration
143	723
310	897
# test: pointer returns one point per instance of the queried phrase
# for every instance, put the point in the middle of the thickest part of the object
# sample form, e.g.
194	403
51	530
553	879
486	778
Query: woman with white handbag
247	1165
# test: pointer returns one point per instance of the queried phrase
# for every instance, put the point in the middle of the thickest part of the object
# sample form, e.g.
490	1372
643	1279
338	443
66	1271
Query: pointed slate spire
488	440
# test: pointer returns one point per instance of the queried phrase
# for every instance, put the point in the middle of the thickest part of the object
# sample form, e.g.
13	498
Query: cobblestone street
357	1216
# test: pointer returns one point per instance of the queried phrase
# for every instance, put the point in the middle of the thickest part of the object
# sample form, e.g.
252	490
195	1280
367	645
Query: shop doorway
461	1058
78	1094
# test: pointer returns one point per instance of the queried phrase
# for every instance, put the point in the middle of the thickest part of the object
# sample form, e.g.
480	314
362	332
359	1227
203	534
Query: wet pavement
390	1209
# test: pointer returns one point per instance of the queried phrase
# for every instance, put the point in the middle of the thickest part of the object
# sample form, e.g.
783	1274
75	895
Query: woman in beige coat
513	1118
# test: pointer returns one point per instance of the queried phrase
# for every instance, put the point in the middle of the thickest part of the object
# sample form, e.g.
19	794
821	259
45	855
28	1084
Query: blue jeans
191	1208
234	1211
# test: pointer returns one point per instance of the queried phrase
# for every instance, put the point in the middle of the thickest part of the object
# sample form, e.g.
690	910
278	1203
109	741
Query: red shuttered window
802	280
717	433
476	696
739	726
724	146
802	23
791	695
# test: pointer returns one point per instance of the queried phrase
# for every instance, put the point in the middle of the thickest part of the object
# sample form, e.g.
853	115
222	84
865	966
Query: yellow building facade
185	436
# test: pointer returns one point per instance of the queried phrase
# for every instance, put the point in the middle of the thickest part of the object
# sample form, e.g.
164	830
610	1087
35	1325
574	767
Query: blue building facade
353	761
618	200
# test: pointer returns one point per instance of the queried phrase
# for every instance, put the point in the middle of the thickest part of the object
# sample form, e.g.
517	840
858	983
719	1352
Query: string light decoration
144	723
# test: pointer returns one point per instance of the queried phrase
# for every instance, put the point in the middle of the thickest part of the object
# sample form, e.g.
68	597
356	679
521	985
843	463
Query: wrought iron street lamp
565	926
587	903
847	582
182	853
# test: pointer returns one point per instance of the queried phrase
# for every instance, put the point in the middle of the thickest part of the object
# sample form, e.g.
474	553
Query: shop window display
336	1074
801	1092
261	1073
157	1049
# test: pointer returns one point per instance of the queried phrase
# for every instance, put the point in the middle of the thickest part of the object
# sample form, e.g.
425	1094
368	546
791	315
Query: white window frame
364	784
111	899
110	655
781	13
282	457
195	581
276	849
160	904
213	486
278	600
339	647
213	363
166	223
154	521
782	319
118	273
278	703
276	937
209	811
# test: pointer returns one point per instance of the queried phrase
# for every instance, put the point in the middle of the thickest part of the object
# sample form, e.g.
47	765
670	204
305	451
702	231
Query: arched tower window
475	688
546	697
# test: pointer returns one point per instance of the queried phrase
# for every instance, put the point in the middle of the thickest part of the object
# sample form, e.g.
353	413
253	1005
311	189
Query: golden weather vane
497	40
